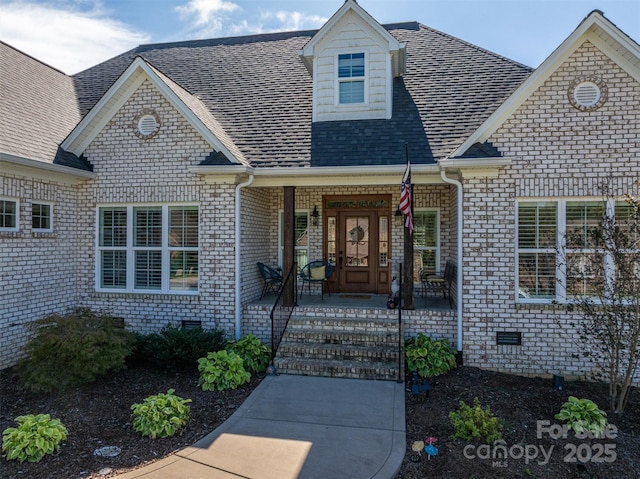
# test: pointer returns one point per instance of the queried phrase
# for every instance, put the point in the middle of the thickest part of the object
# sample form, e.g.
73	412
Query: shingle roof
38	107
260	93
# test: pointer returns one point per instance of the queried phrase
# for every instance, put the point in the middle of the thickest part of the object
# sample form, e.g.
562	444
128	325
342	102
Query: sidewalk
300	427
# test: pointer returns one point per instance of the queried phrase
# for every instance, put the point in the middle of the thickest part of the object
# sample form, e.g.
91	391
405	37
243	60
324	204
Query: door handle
340	260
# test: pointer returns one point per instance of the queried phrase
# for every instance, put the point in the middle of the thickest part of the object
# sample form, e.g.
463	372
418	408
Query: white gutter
237	257
313	171
446	179
44	166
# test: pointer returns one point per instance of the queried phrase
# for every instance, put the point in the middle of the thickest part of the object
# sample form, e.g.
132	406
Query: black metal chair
316	272
432	282
272	279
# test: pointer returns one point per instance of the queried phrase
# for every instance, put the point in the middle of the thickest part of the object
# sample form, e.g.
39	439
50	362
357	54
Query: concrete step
342	351
372	339
349	347
337	369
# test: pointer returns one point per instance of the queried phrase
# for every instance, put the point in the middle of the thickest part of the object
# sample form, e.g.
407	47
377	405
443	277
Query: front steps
341	348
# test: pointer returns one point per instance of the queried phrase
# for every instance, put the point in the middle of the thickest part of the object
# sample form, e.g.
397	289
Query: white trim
15	229
118	94
348	107
25	166
548	67
50	204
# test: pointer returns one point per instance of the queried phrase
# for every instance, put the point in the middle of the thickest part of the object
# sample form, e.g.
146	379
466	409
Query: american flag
405	198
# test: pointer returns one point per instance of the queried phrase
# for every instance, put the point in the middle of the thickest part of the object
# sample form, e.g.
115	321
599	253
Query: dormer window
351	78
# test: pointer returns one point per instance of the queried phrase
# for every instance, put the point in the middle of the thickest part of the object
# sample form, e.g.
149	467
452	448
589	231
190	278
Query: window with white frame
9	213
301	254
560	255
151	248
42	217
351	73
426	241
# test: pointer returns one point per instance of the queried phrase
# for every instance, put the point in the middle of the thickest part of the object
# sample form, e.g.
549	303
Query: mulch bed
99	415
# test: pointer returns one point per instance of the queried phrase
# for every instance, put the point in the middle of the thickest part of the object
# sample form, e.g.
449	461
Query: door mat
355	296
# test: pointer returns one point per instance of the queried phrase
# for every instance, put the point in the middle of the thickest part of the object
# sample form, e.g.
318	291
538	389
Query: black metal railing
400	352
282	309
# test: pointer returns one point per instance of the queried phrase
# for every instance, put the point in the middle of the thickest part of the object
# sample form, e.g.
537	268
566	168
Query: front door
357	242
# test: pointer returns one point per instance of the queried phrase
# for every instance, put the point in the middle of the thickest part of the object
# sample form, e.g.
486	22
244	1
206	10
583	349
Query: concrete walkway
300	427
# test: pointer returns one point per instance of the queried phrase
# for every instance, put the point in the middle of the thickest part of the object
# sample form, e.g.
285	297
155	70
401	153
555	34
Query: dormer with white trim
353	61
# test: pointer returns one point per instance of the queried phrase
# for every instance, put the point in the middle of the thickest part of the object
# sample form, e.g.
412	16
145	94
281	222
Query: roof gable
352	12
195	112
595	28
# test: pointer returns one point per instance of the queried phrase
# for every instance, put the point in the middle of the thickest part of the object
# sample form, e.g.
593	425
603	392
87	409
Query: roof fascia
547	68
119	93
324	176
46	171
475	167
308	51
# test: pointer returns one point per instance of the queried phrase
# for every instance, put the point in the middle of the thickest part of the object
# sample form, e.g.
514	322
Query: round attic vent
146	124
587	94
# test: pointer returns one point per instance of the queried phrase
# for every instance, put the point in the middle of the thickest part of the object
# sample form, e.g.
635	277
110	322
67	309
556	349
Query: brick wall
38	270
558	152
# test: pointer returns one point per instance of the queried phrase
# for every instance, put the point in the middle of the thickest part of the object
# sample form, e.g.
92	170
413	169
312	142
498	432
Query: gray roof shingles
38	108
259	94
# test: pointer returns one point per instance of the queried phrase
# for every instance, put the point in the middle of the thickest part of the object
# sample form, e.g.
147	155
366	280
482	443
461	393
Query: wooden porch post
289	242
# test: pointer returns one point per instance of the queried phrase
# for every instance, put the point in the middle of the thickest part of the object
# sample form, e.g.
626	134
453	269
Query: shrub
161	415
428	356
178	349
475	422
583	415
35	437
222	370
73	349
253	352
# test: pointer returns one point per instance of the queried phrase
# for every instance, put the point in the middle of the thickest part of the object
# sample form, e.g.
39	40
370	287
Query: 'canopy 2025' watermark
583	450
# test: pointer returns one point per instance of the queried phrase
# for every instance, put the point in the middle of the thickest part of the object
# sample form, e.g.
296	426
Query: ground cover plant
99	414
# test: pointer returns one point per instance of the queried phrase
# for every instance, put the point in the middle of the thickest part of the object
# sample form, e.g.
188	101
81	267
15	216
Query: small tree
603	259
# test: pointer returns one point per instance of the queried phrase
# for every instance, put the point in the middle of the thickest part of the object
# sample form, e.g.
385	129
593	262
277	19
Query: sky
72	35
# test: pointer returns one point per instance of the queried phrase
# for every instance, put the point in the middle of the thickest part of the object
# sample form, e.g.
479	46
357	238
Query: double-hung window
42	217
148	248
563	254
9	211
351	73
426	241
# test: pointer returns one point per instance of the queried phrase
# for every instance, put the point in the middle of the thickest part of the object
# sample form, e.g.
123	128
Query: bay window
148	248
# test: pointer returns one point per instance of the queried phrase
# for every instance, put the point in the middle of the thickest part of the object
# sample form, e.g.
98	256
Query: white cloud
65	38
208	17
291	21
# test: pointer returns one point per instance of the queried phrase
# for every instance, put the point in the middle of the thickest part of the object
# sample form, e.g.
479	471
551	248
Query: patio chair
316	272
432	282
272	280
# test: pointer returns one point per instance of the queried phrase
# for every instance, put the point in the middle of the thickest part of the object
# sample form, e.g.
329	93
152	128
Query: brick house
150	185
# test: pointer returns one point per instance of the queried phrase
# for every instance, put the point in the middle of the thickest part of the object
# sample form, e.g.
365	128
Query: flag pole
407	280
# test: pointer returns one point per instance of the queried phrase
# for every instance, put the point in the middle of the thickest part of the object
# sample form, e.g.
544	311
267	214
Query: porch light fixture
314	216
398	217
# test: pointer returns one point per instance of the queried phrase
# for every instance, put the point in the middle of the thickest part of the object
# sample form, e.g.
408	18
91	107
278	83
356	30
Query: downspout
446	179
237	257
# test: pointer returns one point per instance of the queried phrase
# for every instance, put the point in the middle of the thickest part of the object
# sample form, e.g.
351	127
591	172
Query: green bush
35	437
222	370
583	416
475	422
430	357
178	349
73	349
253	352
161	415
